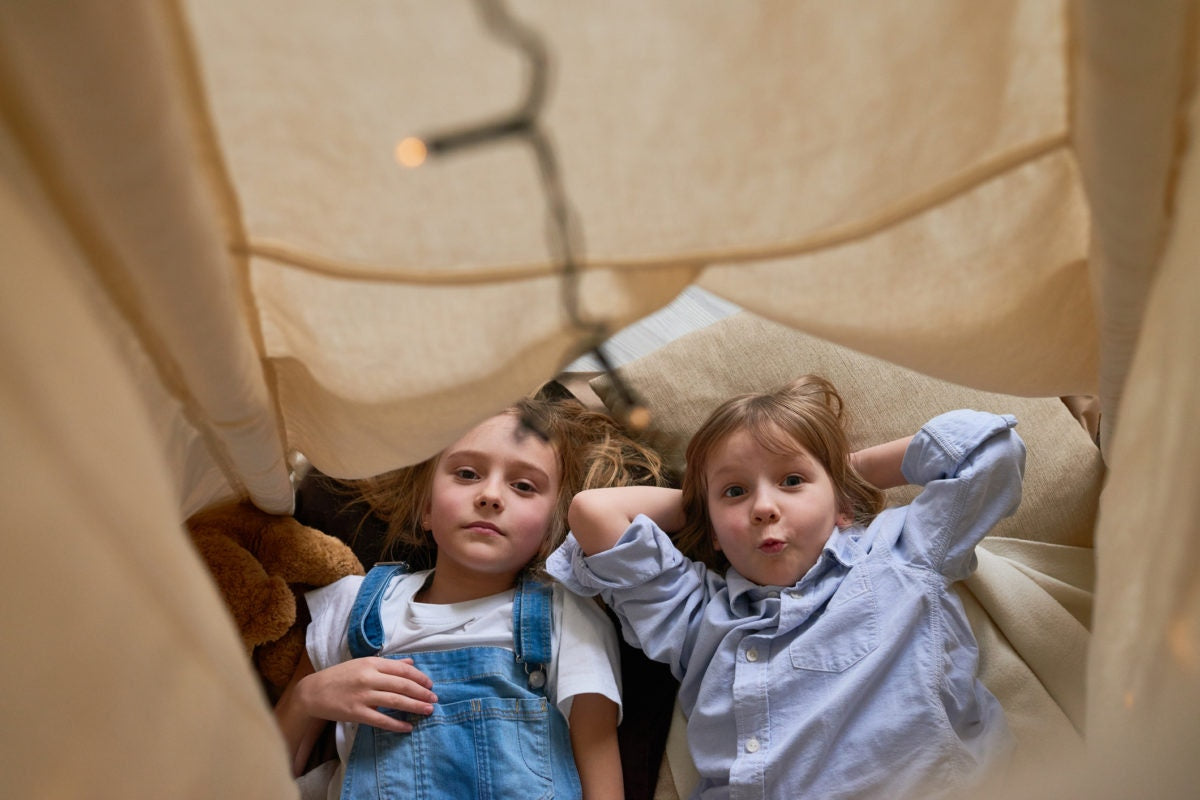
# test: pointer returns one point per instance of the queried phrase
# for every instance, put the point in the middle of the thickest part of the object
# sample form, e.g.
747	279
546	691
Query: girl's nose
488	499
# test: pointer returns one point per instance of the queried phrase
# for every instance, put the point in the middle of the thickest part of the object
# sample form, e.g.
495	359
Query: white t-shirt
585	657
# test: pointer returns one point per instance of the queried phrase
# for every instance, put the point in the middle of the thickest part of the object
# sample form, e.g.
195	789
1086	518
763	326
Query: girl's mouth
772	546
484	528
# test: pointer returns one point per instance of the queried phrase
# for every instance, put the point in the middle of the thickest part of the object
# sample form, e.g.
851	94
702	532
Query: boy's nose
764	512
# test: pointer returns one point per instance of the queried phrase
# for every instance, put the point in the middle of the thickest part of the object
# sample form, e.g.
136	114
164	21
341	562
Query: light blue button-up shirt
860	680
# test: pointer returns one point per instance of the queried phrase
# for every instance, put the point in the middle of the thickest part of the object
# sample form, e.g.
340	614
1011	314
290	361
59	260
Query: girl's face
771	513
493	494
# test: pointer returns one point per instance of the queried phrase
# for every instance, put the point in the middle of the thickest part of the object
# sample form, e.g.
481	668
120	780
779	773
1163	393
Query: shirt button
752	654
772	594
752	745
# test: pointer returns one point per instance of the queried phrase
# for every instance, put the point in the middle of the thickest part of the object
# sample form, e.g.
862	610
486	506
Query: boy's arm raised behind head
880	464
598	517
971	464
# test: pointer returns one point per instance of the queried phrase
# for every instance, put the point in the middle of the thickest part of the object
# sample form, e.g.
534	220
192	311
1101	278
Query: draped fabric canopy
213	261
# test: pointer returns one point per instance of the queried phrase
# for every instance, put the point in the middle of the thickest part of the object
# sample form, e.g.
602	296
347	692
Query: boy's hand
353	691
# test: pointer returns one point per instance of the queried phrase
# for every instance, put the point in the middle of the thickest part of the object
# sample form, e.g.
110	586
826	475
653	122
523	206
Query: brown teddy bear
261	563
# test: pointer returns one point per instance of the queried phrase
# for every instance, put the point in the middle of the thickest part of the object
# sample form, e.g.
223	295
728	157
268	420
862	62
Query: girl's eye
466	473
524	486
793	480
733	491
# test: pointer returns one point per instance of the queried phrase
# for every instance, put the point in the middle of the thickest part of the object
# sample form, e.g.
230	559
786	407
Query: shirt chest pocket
844	633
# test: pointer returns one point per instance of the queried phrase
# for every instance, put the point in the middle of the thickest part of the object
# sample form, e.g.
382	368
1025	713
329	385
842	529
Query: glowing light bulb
1182	642
411	152
639	418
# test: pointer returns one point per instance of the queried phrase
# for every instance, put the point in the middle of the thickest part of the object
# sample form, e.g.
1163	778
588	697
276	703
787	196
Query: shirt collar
843	546
739	586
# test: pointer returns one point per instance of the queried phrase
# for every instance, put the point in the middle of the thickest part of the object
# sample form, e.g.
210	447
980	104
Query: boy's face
771	513
493	494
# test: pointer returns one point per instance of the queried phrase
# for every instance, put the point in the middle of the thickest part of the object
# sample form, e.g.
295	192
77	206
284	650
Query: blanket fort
213	263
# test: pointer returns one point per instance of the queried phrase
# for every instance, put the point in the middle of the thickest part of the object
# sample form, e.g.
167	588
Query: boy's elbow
591	520
1010	462
581	509
1015	452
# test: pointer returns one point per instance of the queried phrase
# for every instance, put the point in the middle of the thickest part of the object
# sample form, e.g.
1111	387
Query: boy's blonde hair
593	451
808	412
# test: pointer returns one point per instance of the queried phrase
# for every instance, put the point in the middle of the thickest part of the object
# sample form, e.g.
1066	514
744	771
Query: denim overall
493	733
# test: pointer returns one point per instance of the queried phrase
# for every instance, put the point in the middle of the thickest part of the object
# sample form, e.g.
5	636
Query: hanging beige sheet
212	260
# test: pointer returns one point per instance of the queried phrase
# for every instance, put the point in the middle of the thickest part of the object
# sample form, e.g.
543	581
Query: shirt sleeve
971	464
587	659
325	638
657	594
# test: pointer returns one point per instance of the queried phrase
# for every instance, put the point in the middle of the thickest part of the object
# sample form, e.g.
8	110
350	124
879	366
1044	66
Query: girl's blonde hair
593	451
807	412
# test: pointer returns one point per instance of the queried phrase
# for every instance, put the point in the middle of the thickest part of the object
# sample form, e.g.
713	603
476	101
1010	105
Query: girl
820	650
460	681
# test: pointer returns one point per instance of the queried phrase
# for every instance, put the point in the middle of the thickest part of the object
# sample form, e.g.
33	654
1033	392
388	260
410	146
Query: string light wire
564	237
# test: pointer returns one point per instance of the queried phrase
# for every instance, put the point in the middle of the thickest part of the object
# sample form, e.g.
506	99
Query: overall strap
532	621
366	627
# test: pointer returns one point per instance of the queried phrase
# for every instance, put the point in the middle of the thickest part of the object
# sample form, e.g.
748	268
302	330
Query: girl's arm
299	729
351	691
880	464
598	517
594	743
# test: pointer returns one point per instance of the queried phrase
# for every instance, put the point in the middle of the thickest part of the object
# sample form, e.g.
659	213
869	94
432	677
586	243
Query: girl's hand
353	690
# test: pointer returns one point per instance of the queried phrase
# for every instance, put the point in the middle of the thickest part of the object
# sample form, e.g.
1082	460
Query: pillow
683	381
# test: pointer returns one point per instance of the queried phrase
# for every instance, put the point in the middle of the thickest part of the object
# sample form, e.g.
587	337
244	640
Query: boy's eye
733	491
793	480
